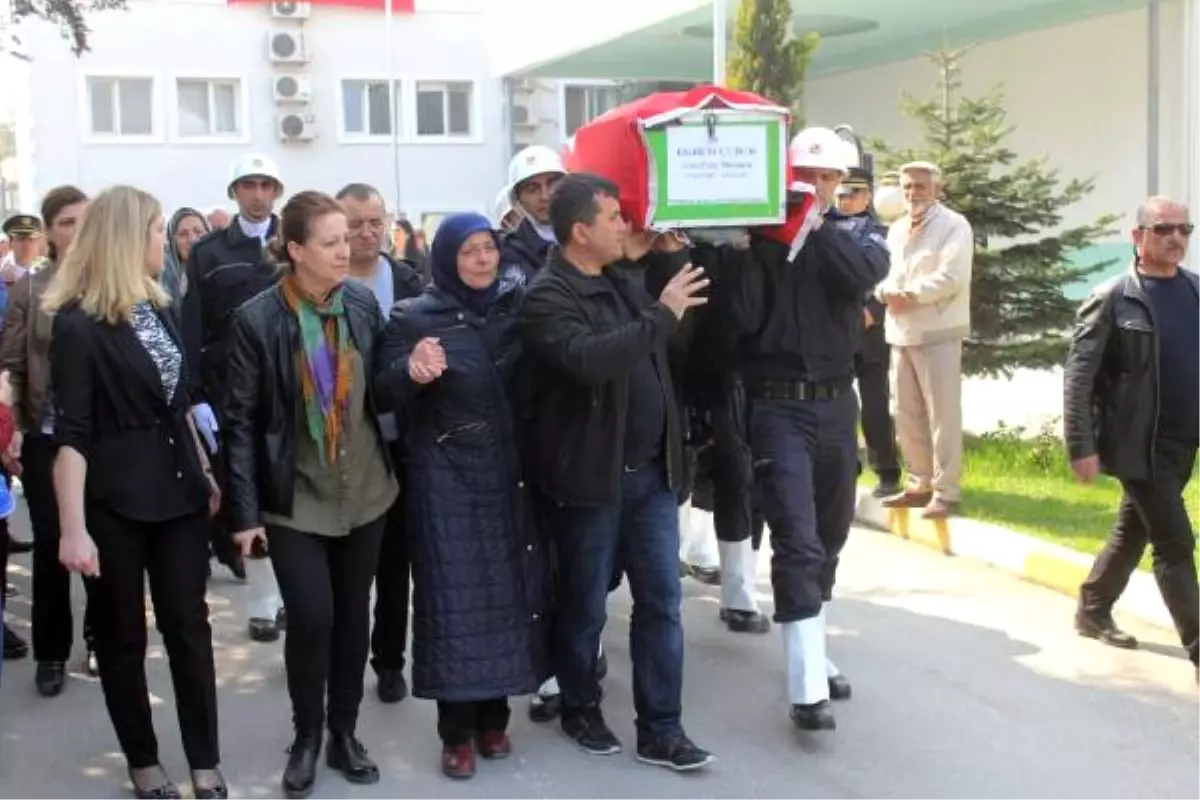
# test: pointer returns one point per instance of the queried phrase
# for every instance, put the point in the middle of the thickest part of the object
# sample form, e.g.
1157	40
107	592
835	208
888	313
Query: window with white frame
120	106
367	108
445	109
582	104
208	107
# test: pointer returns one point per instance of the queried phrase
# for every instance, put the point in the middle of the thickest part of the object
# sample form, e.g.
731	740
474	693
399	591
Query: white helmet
253	166
502	206
821	148
533	161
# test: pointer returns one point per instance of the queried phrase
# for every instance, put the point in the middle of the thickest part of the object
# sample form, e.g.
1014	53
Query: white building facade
173	91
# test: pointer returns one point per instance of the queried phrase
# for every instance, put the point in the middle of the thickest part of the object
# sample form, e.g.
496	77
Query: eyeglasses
1167	228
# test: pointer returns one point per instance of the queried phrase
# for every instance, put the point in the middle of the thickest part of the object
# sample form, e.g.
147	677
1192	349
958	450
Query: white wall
444	40
1076	93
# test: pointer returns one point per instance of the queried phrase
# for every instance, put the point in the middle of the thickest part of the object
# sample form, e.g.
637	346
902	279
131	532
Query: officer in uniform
226	268
799	315
872	362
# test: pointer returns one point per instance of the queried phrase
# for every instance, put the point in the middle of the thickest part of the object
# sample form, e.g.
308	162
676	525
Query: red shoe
494	745
458	762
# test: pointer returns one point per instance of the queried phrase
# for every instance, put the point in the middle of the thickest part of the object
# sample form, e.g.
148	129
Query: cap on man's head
856	180
23	225
922	166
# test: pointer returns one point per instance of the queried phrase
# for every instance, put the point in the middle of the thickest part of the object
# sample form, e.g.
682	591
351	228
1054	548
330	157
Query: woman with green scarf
309	474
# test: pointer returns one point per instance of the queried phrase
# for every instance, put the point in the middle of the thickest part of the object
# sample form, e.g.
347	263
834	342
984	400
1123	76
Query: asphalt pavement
967	683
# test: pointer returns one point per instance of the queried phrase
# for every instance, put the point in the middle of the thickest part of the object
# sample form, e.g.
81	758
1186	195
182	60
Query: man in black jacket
607	453
872	363
390	280
1130	410
799	313
226	268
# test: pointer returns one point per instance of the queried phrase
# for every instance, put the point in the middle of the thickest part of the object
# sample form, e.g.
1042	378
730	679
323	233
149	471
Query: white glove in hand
206	425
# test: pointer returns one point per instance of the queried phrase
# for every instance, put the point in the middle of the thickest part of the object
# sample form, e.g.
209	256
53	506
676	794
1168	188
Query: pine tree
1020	316
767	58
67	14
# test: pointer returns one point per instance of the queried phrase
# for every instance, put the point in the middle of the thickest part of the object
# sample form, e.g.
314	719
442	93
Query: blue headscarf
443	256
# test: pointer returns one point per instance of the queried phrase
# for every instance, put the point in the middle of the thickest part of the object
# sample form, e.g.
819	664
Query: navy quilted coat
478	566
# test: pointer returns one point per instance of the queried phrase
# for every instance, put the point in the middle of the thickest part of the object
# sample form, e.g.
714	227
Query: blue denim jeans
643	533
806	456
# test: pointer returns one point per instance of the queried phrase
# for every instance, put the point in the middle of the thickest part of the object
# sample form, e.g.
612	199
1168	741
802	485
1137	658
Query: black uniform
800	324
872	365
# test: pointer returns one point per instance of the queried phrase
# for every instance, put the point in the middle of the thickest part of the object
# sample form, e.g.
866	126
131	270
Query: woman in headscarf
450	357
186	226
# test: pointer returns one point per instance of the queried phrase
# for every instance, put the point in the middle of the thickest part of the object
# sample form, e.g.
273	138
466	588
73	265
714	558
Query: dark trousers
325	582
642	531
808	461
874	393
1153	512
389	637
219	536
735	515
53	621
174	555
458	723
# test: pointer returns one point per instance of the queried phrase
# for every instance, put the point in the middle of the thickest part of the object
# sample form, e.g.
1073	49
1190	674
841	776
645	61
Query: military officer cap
856	180
23	225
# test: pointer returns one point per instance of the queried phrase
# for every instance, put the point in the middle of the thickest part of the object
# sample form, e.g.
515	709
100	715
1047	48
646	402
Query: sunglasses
1167	228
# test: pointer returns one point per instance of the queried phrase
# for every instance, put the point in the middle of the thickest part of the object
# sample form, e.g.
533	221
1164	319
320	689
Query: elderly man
928	297
1131	382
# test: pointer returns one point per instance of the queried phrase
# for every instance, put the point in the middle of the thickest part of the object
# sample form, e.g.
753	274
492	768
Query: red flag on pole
398	6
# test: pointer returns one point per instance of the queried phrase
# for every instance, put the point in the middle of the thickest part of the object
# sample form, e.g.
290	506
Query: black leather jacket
260	425
1111	381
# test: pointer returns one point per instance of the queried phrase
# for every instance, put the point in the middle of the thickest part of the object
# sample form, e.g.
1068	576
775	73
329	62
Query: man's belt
760	389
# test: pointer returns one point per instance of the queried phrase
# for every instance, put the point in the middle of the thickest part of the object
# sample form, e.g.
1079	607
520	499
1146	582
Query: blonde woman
133	487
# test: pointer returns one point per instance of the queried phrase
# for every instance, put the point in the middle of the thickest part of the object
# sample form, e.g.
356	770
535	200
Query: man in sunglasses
1130	410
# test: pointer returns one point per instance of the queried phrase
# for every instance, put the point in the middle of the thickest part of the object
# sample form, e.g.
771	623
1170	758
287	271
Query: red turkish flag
398	6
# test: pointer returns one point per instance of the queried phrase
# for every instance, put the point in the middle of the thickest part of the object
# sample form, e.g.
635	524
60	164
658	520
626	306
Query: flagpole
396	99
719	21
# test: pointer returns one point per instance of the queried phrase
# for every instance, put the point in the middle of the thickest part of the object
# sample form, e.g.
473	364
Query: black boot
347	755
1102	627
50	678
391	686
301	771
813	717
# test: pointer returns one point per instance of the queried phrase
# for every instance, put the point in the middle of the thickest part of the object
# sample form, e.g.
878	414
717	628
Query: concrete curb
1028	558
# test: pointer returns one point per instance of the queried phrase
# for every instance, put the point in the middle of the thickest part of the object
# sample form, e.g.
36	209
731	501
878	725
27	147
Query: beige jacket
934	266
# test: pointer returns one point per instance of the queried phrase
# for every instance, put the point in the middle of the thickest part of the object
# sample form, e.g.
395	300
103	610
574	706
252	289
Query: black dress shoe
17	547
50	678
813	717
263	630
887	489
209	784
301	771
1102	627
707	575
236	564
15	648
391	686
347	755
745	621
162	790
839	688
545	707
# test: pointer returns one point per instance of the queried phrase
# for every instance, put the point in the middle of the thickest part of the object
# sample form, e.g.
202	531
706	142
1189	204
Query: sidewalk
1024	556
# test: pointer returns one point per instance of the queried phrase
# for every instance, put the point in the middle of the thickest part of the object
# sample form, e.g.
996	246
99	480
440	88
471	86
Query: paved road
967	683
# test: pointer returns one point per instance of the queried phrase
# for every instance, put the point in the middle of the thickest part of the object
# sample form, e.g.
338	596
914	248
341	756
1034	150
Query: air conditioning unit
292	88
521	116
296	127
287	47
290	9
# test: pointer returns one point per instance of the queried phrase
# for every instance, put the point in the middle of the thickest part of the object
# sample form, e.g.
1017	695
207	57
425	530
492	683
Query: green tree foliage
1020	315
767	58
69	15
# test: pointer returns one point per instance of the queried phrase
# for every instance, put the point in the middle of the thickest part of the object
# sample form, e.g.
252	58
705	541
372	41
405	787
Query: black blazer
109	406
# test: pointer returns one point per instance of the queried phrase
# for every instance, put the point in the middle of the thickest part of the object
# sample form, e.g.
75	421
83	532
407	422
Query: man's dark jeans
1153	512
643	533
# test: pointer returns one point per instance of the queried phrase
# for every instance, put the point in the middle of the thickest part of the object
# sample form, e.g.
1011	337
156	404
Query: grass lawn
1026	485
